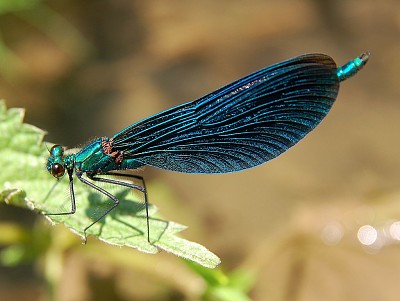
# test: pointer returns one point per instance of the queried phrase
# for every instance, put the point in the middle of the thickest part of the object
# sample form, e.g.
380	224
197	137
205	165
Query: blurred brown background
90	68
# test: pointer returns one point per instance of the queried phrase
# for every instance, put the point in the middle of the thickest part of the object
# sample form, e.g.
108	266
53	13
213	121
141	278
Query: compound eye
57	150
57	170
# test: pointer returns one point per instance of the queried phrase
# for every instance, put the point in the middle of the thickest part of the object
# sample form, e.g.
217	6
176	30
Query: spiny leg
143	189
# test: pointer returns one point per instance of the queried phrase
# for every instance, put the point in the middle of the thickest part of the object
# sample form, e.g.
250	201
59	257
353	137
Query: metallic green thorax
97	157
93	158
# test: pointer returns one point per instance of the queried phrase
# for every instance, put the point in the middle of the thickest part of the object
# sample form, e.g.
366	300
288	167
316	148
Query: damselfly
238	126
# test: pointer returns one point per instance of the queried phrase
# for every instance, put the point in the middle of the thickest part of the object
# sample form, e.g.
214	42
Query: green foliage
24	182
222	287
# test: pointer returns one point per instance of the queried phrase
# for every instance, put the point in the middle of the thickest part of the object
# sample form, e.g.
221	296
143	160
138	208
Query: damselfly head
55	163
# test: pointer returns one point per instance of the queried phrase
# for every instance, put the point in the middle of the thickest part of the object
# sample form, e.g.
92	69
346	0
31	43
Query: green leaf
25	182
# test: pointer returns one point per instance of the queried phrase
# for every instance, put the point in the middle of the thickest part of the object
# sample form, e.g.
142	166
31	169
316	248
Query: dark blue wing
239	126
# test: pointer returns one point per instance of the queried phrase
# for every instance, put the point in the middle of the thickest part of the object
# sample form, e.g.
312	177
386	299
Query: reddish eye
57	170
